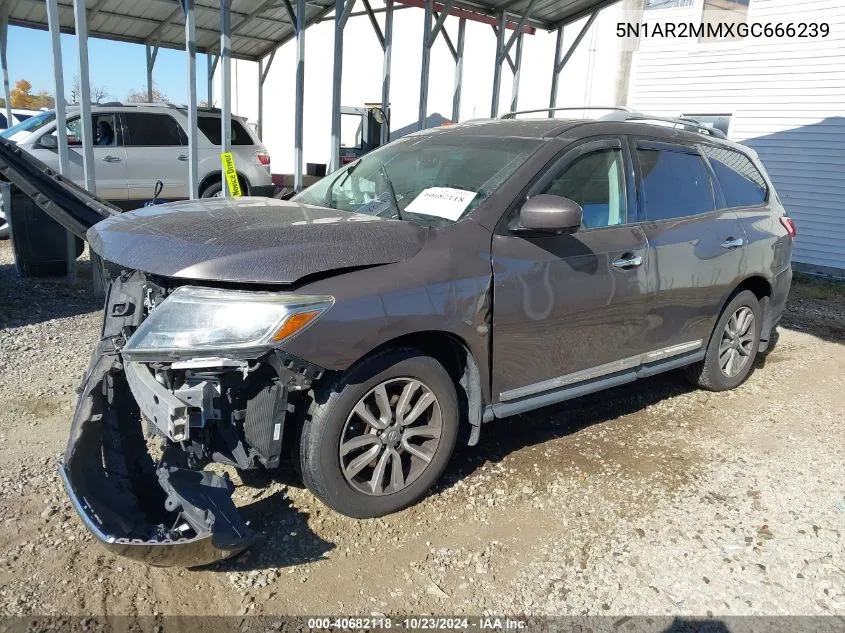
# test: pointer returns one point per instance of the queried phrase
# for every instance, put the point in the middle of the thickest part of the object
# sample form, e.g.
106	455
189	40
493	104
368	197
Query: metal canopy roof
258	26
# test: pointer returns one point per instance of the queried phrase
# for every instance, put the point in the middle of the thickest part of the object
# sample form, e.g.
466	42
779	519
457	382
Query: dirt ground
653	498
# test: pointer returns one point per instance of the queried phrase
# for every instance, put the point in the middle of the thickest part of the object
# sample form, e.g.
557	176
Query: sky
116	66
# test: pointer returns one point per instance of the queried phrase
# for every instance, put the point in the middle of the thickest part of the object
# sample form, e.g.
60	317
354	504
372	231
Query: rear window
211	127
147	129
741	182
675	184
3	121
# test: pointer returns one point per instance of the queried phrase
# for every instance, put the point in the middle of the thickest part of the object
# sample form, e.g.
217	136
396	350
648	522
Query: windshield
432	180
30	125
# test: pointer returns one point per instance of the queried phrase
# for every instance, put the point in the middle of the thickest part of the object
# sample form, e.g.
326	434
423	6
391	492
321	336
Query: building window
668	4
719	15
721	122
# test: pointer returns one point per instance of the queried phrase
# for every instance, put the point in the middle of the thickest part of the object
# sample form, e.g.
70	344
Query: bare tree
98	93
140	96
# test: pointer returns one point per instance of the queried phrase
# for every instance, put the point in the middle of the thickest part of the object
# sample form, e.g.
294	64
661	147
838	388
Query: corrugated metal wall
787	101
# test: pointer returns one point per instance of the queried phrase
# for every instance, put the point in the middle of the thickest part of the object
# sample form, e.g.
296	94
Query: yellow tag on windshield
231	174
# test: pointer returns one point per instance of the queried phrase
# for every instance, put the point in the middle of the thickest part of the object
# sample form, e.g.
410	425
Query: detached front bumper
155	513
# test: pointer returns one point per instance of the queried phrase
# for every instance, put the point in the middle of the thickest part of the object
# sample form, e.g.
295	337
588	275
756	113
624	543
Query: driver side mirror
549	214
49	141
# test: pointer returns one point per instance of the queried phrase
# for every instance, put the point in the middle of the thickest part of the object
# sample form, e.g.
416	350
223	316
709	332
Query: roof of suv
546	129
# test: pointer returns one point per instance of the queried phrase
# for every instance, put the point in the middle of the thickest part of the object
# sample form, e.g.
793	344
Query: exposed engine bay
151	504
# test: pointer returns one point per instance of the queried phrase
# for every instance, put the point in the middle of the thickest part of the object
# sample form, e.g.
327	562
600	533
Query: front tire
733	346
379	437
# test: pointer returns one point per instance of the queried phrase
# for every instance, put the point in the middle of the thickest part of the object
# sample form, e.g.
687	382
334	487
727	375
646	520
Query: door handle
183	157
111	159
732	243
628	261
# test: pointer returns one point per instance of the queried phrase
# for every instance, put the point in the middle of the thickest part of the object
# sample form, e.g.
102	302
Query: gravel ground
648	499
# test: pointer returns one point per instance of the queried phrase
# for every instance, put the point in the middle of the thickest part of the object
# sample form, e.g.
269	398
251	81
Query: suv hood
251	240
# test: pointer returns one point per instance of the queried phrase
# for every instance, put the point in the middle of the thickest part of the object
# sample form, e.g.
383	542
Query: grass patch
814	288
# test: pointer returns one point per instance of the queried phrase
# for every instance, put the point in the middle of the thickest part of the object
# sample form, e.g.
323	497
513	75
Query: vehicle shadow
284	538
503	437
31	300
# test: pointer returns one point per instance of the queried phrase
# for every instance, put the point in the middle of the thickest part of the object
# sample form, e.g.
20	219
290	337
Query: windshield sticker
442	202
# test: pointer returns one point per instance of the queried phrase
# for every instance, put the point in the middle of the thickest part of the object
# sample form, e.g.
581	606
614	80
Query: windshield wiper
391	190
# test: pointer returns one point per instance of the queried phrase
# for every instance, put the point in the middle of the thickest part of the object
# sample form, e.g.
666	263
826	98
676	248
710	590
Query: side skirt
512	407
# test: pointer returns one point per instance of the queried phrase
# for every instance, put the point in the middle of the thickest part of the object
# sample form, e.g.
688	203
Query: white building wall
589	78
787	101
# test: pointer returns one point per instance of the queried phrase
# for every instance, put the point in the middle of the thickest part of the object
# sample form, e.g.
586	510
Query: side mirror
549	214
49	141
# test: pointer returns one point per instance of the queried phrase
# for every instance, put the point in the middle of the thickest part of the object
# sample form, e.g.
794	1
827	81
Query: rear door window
145	129
211	127
742	183
674	182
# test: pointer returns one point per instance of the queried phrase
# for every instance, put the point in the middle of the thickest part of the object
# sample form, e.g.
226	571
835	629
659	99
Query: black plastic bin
39	241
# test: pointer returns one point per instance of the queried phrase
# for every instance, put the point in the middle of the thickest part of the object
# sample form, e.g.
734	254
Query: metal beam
341	14
518	30
299	109
577	41
191	49
448	41
292	15
152	53
497	70
226	80
211	66
4	38
477	13
555	73
426	63
459	71
516	73
81	26
385	70
376	27
438	25
263	69
61	121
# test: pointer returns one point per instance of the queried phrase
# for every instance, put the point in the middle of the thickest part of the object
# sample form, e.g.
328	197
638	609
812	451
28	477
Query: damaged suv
362	328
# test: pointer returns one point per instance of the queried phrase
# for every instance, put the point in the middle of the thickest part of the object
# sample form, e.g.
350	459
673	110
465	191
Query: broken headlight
209	321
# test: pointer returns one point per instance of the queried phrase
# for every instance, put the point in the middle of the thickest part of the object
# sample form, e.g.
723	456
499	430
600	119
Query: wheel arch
763	290
454	354
215	176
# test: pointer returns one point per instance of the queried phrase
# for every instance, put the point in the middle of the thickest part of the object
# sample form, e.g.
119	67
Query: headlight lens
196	319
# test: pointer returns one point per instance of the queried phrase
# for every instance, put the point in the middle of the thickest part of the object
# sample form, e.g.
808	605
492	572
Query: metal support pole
497	70
555	73
81	26
61	121
560	63
299	108
263	69
342	9
226	85
4	38
191	49
516	73
152	53
385	69
260	129
210	65
459	72
426	63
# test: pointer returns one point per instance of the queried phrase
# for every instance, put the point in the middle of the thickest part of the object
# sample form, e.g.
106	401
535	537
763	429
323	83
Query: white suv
137	145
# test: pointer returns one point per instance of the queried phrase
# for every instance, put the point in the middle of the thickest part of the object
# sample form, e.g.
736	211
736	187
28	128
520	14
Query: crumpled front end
143	433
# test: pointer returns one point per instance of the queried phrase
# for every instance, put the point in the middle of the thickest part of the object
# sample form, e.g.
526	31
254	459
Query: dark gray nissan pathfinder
455	276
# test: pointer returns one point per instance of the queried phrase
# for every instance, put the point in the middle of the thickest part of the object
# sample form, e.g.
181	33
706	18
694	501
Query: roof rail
513	115
622	113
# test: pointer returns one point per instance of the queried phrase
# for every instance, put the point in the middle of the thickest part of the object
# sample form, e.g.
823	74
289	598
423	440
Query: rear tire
213	190
335	434
733	346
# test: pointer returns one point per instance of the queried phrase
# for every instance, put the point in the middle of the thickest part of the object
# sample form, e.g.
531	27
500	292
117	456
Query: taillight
789	224
263	158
